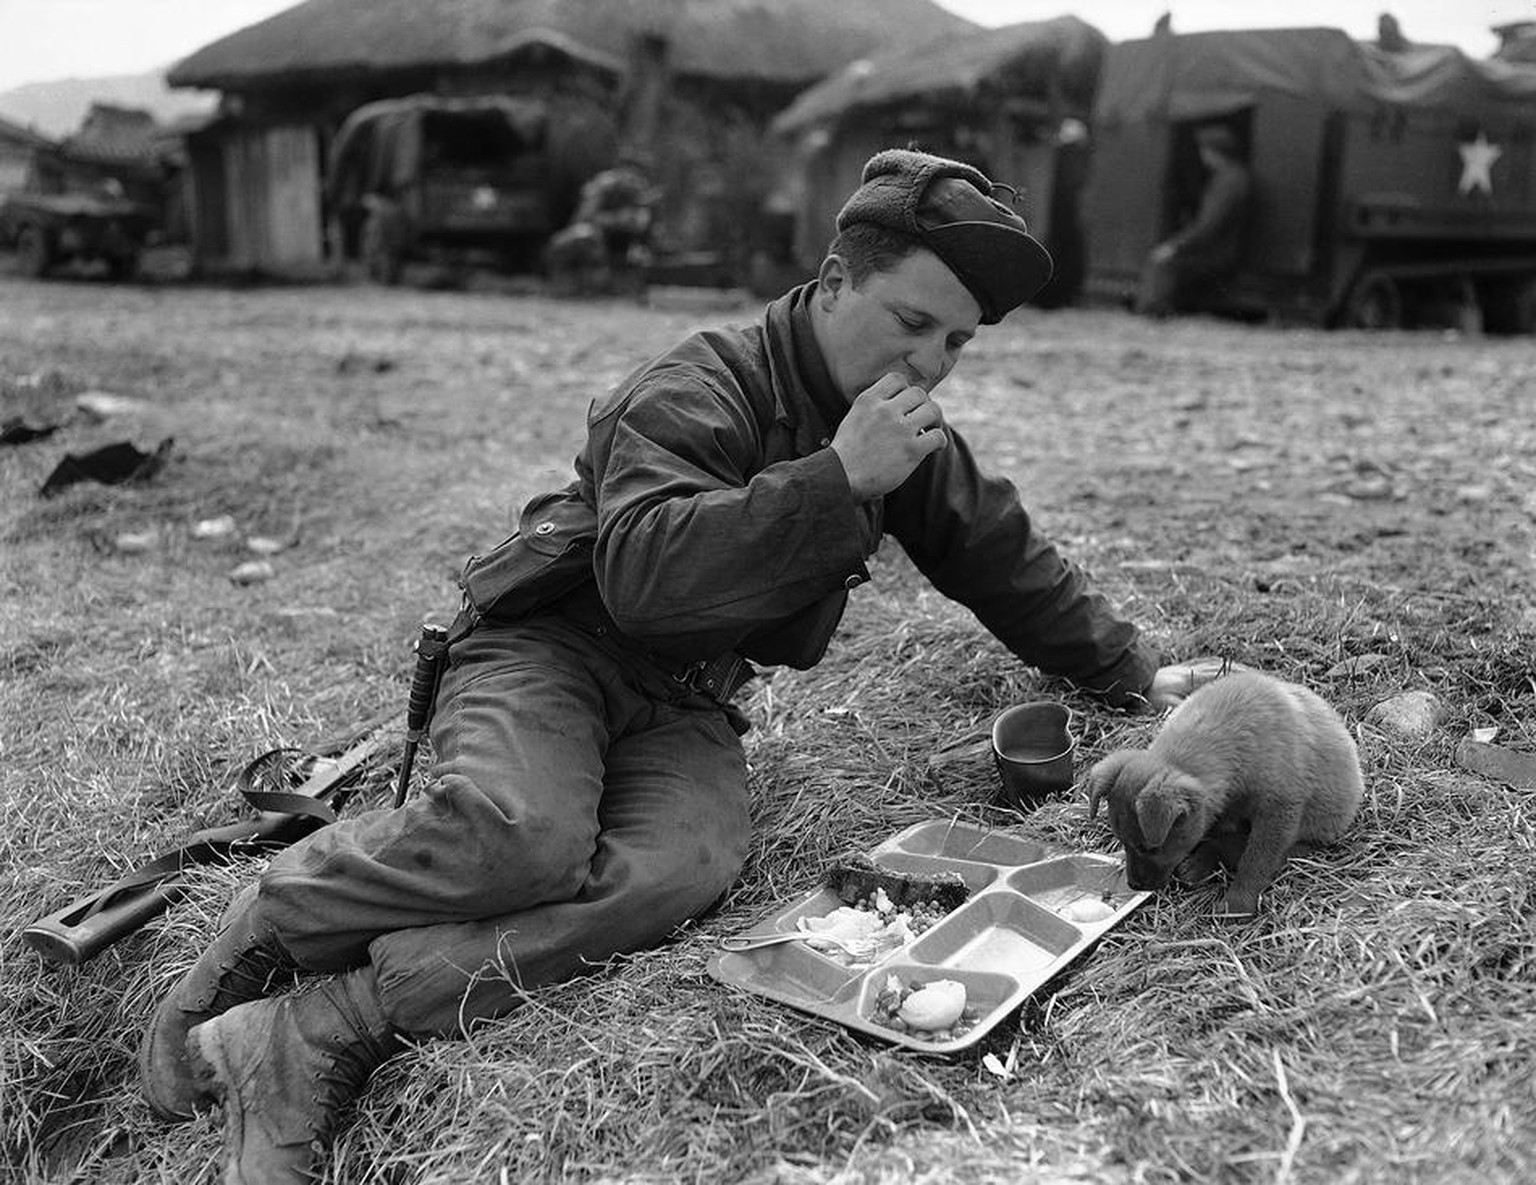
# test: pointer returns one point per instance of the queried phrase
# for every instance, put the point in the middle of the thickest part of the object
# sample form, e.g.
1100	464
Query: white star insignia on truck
1477	160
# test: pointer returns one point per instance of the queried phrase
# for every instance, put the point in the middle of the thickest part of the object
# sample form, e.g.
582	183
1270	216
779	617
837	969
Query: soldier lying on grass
589	791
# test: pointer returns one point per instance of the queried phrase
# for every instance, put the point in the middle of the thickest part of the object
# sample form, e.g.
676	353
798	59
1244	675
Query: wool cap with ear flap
948	206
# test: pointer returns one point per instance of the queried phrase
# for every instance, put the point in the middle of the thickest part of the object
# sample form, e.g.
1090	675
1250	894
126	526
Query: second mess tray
1031	910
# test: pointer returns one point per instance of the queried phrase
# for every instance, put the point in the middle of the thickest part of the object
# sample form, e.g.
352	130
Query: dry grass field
1354	512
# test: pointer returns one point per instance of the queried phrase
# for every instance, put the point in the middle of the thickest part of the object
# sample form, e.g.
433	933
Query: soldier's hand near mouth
890	427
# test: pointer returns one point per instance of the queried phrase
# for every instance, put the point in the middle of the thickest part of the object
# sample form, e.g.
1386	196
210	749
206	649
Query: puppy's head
1158	813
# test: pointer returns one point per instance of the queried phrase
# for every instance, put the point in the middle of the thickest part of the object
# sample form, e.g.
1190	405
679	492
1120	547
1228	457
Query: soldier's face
912	320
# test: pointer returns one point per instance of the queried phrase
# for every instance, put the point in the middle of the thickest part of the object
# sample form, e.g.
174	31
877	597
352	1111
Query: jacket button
853	581
544	529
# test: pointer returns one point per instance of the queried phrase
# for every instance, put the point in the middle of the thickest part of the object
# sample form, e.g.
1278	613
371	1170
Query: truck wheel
1375	302
34	251
1509	306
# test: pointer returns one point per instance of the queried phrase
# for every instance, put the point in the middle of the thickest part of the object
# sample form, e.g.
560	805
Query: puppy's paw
1237	906
1199	865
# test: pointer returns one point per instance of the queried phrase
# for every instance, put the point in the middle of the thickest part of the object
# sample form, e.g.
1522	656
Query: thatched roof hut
1013	101
787	42
1054	60
693	83
111	132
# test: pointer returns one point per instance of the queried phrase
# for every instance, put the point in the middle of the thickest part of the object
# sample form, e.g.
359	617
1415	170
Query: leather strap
309	806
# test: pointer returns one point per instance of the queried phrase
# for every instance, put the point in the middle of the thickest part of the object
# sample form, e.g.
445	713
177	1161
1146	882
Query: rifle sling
286	816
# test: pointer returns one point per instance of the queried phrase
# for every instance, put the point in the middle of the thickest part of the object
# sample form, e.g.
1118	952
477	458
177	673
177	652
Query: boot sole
172	1109
211	1071
185	1097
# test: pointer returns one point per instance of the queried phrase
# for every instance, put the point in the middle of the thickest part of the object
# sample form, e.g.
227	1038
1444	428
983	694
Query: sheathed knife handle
430	649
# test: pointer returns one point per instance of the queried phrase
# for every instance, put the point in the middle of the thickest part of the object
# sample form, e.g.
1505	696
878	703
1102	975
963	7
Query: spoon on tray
858	948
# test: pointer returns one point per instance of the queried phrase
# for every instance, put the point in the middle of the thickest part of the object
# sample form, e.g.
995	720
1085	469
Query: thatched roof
1023	59
115	133
781	41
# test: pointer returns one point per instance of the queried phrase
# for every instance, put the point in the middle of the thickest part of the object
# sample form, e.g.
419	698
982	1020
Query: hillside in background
57	108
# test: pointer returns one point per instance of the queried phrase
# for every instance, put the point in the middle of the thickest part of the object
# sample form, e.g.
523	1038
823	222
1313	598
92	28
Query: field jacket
710	515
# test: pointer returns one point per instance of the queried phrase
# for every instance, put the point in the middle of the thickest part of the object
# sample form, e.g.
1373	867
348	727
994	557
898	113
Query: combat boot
286	1069
243	963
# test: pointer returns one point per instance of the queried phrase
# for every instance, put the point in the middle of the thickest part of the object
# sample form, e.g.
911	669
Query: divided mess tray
1031	910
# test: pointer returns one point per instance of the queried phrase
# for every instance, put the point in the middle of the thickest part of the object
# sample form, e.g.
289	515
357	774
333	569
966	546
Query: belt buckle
710	678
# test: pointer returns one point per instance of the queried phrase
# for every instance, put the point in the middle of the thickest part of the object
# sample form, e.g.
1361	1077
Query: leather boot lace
340	1078
249	975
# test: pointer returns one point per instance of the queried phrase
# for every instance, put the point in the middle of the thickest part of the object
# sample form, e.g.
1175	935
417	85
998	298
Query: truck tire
34	251
1509	306
1375	302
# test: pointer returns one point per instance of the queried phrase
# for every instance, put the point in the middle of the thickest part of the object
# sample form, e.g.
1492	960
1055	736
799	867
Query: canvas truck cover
379	146
1195	75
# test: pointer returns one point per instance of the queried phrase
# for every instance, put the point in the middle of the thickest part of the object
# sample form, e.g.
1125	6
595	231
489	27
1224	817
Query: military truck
48	229
1389	187
482	179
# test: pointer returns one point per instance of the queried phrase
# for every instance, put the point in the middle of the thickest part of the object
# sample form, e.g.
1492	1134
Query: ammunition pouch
549	555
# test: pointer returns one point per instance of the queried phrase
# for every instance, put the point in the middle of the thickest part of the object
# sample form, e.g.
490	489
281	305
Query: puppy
1243	771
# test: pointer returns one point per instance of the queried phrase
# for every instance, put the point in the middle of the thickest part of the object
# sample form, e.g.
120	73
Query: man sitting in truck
1185	268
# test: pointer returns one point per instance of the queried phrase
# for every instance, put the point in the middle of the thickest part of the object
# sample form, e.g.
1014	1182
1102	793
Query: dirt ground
1295	499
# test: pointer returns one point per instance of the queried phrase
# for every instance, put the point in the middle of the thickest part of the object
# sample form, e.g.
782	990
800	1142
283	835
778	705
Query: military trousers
581	804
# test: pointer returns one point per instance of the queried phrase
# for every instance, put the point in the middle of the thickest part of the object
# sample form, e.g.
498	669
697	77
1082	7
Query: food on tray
1088	909
873	928
858	936
933	1006
932	1011
856	877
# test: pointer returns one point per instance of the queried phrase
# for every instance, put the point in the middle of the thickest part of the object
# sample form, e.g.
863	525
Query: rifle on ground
296	792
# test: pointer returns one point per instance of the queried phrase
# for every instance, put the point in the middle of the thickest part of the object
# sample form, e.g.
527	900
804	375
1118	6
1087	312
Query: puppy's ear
1102	778
1159	806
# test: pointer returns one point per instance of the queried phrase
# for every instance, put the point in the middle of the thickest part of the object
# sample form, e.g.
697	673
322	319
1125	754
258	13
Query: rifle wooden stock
83	930
86	927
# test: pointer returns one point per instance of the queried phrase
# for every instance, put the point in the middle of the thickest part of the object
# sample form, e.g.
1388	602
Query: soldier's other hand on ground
1175	683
